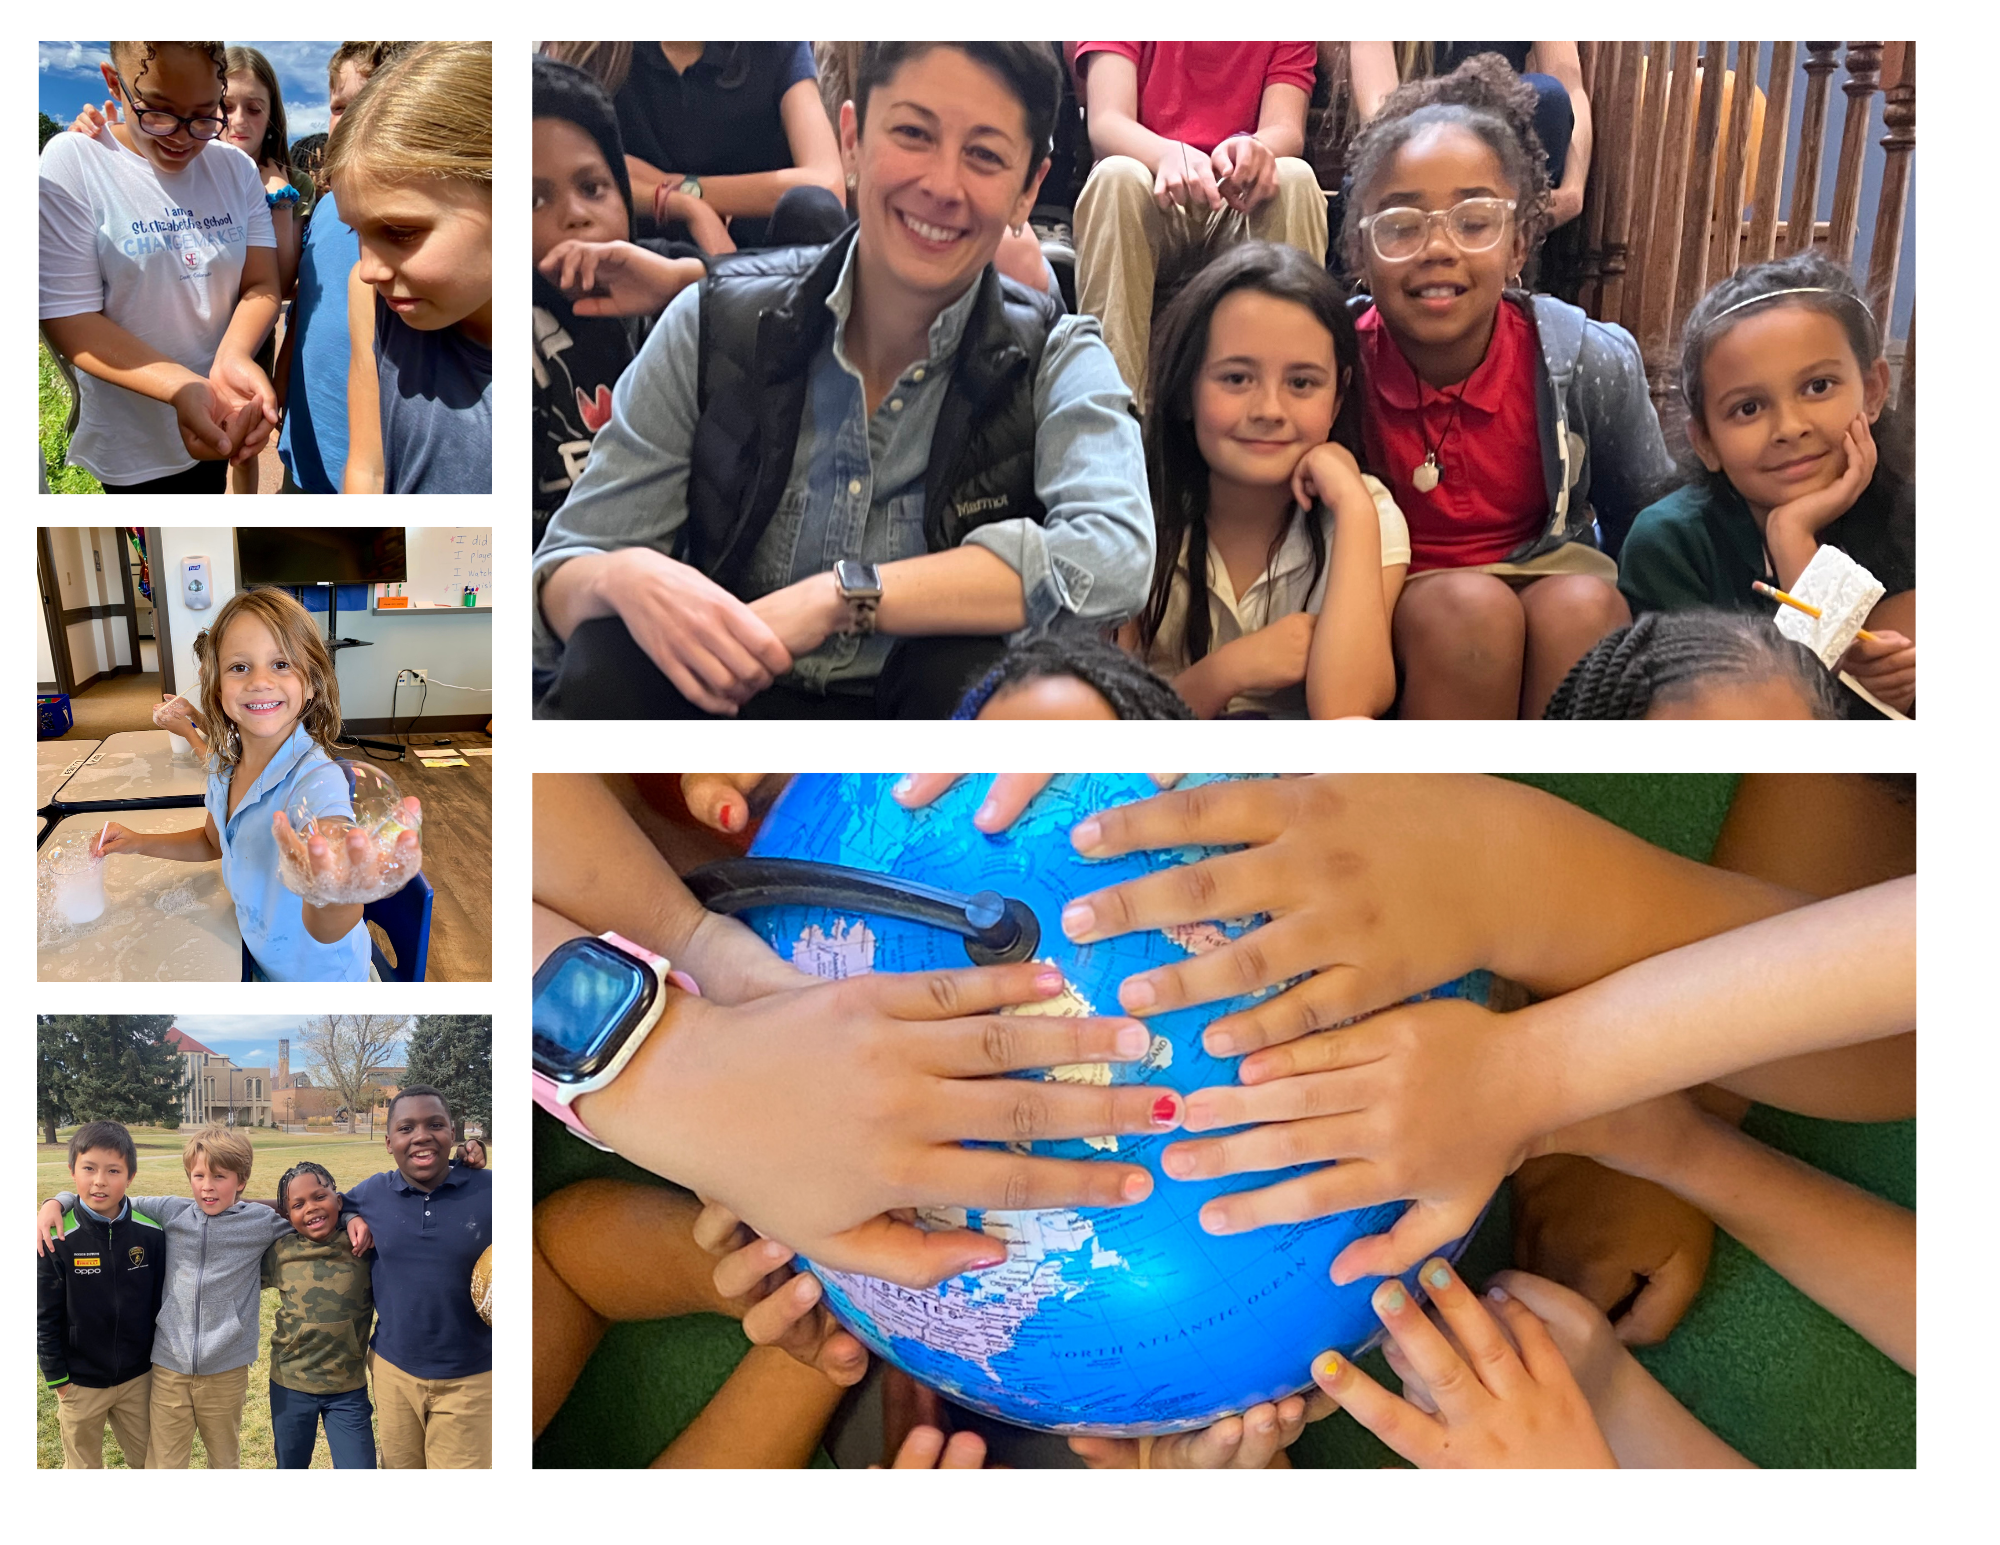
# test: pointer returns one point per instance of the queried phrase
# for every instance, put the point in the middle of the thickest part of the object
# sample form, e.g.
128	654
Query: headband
1803	289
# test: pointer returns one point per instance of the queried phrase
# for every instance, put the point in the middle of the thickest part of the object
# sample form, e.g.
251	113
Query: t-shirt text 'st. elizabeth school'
160	255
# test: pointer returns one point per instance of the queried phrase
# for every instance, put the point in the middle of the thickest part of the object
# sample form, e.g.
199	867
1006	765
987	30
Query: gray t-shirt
437	408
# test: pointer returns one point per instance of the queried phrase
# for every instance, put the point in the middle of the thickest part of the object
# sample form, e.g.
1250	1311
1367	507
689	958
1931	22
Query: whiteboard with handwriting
443	560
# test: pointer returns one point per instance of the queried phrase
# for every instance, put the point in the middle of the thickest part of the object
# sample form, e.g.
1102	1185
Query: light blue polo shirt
273	918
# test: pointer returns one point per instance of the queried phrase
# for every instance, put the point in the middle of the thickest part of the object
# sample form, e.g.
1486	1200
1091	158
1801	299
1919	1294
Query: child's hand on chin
779	1307
1256	1440
348	869
1497	1394
1812	513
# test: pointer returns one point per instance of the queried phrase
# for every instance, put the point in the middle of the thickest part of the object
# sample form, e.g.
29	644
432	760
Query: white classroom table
55	760
193	939
134	765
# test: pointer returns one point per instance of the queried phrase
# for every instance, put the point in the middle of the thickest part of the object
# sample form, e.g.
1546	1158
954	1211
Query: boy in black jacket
98	1295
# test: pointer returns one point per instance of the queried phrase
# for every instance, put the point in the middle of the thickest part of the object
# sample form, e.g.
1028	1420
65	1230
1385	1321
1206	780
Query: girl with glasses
159	277
1515	434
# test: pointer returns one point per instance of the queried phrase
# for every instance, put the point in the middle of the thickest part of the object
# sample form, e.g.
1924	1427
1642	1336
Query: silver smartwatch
860	587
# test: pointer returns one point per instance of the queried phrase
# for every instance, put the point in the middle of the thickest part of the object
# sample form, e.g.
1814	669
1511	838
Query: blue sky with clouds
70	78
249	1040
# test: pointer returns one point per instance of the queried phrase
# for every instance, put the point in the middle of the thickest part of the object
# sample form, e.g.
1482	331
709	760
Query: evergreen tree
49	129
107	1067
453	1053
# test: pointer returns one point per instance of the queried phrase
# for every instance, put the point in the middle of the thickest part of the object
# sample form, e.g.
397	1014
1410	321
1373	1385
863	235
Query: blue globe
1103	1321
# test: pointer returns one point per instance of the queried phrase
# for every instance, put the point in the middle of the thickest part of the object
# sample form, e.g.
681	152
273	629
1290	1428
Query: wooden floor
458	821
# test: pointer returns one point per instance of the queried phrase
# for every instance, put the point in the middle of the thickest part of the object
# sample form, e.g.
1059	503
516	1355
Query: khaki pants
184	1403
432	1424
1123	239
82	1413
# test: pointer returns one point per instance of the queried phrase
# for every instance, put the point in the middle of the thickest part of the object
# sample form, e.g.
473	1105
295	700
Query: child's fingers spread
1212	1448
1539	1352
1336	1188
1007	798
1279	1145
1413	1383
902	1253
1016	1110
1415	1436
920	1450
978	1048
1264	957
936	995
1215	814
1425	1227
741	1270
1450	1380
1334	995
1324	1052
916	790
974	1178
1232	885
1486	1348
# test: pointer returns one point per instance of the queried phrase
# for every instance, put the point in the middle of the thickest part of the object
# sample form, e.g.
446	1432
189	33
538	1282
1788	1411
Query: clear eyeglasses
1475	225
159	123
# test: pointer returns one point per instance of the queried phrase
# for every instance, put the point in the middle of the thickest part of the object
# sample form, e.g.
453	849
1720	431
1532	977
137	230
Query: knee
1469	619
1576	606
1117	185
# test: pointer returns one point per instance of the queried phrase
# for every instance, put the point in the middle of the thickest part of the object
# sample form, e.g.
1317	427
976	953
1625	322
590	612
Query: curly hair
1482	96
1666	657
303	1167
1085	653
297	636
123	55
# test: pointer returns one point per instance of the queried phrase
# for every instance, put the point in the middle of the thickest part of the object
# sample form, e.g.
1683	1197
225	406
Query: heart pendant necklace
1427	474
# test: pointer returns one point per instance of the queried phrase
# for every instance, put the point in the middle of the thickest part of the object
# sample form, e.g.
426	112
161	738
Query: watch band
555	1098
862	600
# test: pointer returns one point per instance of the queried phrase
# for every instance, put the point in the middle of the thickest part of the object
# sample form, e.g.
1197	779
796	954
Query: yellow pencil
1791	600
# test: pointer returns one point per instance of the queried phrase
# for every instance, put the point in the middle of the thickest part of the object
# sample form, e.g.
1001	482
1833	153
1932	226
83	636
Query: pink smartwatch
596	1001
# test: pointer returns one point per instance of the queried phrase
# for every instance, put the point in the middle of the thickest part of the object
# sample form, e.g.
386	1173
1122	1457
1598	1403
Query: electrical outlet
422	677
412	678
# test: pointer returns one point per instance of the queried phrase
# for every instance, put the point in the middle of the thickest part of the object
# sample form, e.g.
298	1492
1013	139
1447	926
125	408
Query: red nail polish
727	816
1163	1111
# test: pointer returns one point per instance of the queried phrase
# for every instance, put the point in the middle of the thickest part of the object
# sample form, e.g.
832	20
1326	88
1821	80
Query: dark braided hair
1175	469
1666	656
1085	653
303	1167
1486	98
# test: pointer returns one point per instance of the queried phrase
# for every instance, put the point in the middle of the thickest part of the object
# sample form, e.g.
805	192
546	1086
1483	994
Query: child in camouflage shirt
319	1341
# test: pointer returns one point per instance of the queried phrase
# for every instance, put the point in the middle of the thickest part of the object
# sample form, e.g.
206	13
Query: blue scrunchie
285	195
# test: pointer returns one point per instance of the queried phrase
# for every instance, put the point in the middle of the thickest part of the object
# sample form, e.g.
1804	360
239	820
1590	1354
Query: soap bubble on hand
329	857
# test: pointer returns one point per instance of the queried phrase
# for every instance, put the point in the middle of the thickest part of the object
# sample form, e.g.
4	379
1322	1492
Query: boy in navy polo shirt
431	1358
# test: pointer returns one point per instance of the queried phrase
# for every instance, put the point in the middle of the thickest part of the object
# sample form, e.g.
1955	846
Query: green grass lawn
349	1159
52	395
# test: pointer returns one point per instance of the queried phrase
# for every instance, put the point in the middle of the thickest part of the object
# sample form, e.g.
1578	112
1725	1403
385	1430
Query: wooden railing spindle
1820	64
1725	248
1864	76
1763	244
1647	166
1621	162
1899	118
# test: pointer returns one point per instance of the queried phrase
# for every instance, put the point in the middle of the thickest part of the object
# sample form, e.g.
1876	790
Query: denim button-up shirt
272	917
856	487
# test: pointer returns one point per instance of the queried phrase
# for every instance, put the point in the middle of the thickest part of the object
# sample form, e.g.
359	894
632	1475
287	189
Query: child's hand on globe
725	802
1256	1440
779	1307
1496	1392
348	864
1004	801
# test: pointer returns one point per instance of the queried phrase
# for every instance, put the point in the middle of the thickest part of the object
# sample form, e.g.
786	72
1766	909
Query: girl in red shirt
1515	433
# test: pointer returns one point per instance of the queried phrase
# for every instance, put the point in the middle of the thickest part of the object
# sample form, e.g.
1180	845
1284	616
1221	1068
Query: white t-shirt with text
160	255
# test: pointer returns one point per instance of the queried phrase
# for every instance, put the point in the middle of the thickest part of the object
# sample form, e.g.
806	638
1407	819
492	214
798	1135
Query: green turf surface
1771	1372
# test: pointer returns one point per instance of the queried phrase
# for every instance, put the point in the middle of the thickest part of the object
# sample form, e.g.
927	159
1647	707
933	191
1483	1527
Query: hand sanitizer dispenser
195	585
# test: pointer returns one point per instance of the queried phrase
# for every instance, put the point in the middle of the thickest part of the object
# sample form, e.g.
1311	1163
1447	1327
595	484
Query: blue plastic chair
406	918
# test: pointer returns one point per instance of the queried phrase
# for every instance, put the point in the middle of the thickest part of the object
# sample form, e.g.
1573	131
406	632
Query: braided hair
1482	96
303	1167
1668	656
1122	681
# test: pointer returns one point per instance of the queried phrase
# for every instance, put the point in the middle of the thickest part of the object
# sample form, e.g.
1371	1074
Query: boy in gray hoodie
206	1337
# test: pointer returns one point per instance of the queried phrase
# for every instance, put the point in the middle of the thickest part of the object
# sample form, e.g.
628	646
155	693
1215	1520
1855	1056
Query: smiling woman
706	562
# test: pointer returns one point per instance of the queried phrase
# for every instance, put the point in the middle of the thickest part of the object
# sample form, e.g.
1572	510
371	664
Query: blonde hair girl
411	164
270	708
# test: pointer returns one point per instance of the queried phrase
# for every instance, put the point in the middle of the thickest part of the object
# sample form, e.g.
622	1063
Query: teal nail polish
1438	1276
1390	1298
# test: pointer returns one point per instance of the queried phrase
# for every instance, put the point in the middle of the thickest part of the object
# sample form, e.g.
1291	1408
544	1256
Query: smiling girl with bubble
299	858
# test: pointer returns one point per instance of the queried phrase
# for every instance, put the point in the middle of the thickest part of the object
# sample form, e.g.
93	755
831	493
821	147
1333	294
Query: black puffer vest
764	318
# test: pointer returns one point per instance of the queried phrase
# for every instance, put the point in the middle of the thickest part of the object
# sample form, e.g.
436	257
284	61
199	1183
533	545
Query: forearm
1371	73
756	194
1835	973
579	591
184	847
1207	685
1576	170
1351	670
331	924
256	314
285	226
93	342
1116	133
1650	1430
1791	548
768	1415
646	180
1853	1254
966	590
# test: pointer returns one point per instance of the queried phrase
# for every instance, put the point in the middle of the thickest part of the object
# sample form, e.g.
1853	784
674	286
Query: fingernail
1177	1163
1437	1274
1390	1298
1138	994
1498	1294
1329	1368
1085	835
987	1260
987	817
903	787
1136	1186
727	816
1218	1043
1215	1219
1050	981
1133	1040
1166	1111
1078	918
